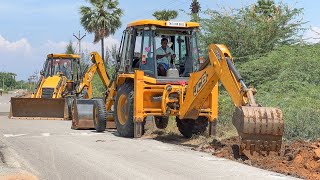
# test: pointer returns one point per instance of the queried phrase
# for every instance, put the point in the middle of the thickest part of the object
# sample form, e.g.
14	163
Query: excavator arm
259	128
97	66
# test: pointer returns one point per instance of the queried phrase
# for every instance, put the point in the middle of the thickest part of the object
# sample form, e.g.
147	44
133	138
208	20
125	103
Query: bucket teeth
260	128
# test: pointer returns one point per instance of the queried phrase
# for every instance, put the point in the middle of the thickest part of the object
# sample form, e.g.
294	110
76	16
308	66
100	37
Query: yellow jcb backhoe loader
188	90
59	77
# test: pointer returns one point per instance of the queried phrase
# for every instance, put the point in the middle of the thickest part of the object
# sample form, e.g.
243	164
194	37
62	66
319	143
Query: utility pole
79	38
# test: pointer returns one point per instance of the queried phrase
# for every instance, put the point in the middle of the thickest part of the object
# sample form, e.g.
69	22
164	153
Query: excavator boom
259	128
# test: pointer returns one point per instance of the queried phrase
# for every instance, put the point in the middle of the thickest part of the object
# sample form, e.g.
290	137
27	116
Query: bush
288	78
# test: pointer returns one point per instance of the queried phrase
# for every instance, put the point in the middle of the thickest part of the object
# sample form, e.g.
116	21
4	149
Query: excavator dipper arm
97	66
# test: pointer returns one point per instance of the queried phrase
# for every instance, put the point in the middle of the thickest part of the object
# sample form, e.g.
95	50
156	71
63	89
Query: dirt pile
298	158
24	94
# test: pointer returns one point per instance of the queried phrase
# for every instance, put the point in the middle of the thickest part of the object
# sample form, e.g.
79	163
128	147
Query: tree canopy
70	49
165	15
7	80
254	29
102	19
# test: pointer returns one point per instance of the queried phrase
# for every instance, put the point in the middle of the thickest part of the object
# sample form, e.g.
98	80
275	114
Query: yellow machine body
48	99
137	90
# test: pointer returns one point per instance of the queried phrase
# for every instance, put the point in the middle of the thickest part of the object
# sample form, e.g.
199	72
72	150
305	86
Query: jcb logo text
202	81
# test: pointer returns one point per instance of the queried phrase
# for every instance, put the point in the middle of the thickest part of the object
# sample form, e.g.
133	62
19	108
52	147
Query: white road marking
13	135
82	134
45	134
50	134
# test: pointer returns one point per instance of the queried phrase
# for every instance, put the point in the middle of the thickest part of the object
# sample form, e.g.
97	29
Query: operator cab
141	43
67	65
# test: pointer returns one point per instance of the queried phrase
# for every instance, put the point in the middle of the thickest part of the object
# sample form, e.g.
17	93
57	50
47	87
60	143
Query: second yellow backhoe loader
59	76
142	86
63	92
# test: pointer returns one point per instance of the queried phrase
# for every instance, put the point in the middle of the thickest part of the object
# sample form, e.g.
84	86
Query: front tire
189	127
123	110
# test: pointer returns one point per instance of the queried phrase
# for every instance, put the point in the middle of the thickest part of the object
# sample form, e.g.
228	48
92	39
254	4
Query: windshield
56	66
157	51
183	45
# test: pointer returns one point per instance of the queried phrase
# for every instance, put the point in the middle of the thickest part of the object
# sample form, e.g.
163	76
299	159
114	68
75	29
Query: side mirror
42	73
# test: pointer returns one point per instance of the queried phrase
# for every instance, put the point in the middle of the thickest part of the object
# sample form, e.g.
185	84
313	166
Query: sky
31	29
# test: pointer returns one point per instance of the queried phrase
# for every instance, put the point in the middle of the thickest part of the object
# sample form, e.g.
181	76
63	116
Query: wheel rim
122	109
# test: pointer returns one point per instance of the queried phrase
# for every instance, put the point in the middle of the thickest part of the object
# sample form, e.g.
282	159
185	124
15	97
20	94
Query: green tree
112	53
102	19
22	85
7	80
255	29
111	57
70	49
165	15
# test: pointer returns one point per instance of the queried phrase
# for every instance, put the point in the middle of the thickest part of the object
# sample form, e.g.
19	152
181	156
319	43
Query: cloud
21	45
16	56
22	58
312	35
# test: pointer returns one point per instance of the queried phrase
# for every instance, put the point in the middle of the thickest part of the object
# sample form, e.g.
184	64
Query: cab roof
63	56
164	23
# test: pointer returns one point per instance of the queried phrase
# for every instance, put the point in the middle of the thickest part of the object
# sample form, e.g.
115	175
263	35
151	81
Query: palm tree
102	19
165	15
195	9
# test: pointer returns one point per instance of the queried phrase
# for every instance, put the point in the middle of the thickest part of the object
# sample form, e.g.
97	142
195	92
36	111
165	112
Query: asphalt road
51	150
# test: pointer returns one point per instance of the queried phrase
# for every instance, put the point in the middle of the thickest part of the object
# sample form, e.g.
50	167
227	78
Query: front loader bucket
82	110
259	128
37	108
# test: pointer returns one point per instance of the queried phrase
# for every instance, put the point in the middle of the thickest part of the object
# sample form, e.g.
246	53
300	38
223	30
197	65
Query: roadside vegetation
288	78
272	57
8	82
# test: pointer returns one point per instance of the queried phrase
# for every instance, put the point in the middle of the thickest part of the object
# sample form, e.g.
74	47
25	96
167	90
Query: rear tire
123	110
189	127
99	115
161	122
